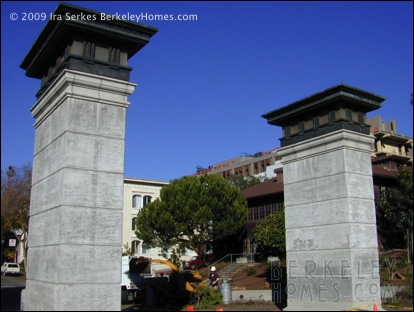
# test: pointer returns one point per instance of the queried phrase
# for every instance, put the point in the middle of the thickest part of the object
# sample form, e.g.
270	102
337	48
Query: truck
197	262
143	280
134	272
178	286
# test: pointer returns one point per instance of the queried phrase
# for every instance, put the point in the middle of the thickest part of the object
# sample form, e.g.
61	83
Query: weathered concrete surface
77	195
331	239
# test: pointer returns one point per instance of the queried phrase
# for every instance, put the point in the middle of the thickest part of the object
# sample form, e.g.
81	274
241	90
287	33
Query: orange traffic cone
190	308
219	309
375	307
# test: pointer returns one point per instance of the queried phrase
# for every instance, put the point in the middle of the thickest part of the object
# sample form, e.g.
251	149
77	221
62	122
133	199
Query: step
232	269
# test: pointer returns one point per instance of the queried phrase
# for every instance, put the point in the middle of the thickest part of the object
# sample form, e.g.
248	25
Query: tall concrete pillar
75	233
331	237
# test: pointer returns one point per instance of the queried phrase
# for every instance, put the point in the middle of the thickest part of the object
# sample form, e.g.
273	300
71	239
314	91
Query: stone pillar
75	234
331	237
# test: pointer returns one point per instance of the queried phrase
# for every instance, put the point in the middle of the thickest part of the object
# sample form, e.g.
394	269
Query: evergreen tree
270	233
192	212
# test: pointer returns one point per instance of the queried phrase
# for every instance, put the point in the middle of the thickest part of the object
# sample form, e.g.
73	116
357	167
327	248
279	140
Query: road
11	287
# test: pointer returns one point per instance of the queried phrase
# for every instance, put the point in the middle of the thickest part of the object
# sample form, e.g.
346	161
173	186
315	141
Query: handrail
231	259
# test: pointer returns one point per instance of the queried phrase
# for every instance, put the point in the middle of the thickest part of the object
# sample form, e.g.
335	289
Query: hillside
257	276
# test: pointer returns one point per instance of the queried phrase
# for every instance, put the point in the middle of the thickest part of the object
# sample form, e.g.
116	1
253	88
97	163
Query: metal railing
233	258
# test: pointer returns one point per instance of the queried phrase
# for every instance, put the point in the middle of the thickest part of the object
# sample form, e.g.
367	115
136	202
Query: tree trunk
23	240
410	246
409	240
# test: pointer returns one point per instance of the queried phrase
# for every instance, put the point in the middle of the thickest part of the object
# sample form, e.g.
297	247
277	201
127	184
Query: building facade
260	164
137	194
390	149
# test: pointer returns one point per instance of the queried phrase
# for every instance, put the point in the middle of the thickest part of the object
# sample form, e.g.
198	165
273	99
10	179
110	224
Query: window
146	249
136	201
134	247
147	199
134	224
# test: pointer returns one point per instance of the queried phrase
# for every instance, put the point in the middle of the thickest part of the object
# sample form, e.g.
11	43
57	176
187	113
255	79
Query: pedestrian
214	277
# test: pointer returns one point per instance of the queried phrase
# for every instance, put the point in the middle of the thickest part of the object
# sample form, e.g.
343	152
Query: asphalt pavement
11	287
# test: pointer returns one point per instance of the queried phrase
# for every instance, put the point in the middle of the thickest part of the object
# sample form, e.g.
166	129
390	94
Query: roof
268	187
366	101
272	187
381	172
398	158
129	36
144	181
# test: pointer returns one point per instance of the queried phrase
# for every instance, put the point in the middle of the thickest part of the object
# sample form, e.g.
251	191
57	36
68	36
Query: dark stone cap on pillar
85	40
339	107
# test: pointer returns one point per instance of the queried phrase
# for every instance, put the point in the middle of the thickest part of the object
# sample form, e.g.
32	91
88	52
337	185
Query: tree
396	205
243	182
16	186
191	212
270	233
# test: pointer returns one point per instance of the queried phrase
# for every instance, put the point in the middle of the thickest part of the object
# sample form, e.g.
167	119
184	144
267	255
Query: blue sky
203	85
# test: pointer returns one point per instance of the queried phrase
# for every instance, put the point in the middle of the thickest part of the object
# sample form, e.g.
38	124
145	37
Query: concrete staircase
229	271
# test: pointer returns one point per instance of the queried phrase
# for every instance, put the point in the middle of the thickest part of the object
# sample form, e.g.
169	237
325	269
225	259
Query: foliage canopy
396	206
192	211
270	232
16	183
243	182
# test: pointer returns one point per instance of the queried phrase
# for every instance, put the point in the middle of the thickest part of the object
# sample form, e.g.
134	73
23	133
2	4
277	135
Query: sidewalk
239	307
224	307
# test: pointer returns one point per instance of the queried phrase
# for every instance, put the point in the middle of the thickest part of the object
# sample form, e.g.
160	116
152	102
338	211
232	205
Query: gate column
75	234
331	237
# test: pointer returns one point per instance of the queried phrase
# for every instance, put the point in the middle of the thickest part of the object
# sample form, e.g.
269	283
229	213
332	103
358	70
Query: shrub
208	298
405	294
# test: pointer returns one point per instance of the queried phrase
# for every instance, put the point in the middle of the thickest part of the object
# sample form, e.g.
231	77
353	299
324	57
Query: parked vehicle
178	286
10	268
144	277
134	272
197	262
